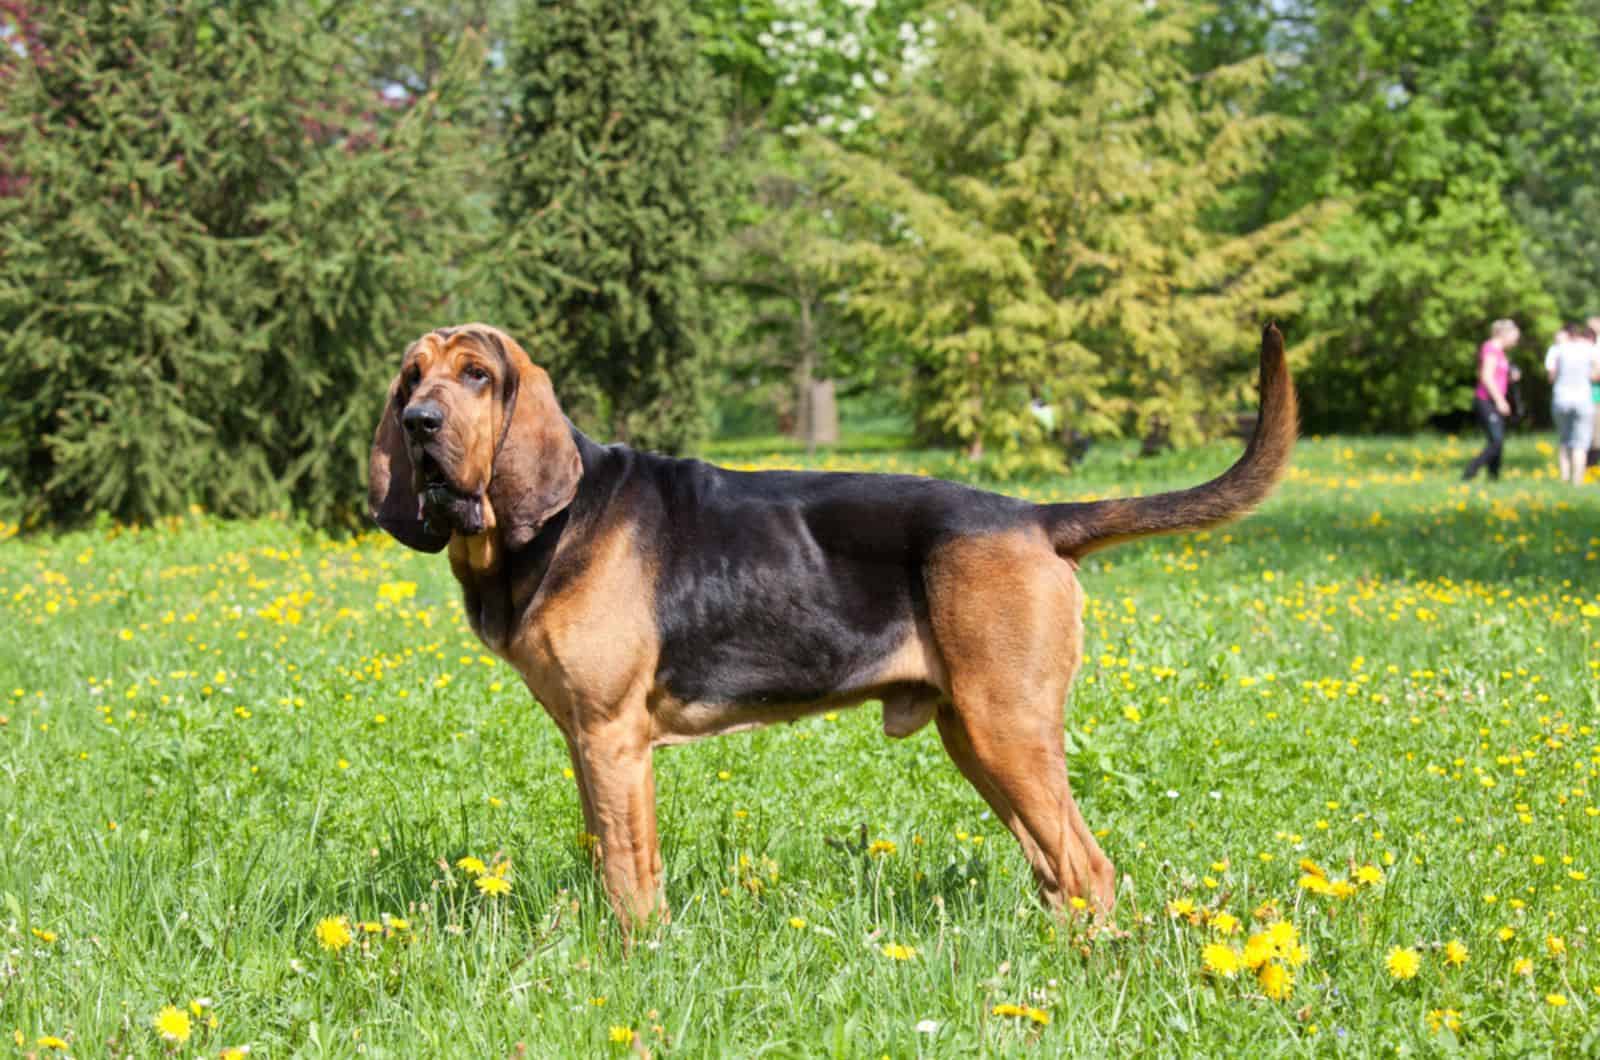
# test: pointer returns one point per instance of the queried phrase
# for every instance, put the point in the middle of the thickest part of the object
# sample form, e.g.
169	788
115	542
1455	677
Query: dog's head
471	440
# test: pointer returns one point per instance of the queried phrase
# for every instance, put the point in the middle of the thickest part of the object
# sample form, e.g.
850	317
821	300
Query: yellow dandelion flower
1556	945
621	1035
48	1041
43	936
236	1052
1402	962
172	1023
797	922
1369	875
1257	951
1283	937
897	952
1277	982
1078	904
1037	1015
1447	1018
1343	888
1225	923
333	933
1180	907
882	848
1455	953
494	886
1555	1000
1223	960
471	866
1311	868
1506	934
1522	966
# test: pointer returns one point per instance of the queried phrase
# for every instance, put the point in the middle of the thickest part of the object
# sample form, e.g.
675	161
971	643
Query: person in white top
1594	392
1573	364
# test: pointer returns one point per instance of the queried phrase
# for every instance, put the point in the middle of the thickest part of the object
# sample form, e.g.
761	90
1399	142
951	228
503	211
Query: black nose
422	420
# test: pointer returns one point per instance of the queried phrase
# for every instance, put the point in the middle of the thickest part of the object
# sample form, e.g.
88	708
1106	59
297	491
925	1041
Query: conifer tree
219	237
613	202
1038	216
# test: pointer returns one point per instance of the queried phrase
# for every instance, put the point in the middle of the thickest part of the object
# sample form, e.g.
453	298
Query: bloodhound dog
648	601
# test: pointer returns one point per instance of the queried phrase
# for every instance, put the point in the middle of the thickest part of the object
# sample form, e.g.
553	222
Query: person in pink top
1495	373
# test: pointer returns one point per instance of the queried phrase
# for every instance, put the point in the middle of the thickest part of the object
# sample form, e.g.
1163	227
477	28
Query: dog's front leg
615	762
591	829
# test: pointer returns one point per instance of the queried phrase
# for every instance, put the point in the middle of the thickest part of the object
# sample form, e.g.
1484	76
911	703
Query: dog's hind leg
956	744
1029	772
1008	617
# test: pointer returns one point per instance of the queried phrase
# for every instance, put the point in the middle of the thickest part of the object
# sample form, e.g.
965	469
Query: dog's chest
582	641
486	596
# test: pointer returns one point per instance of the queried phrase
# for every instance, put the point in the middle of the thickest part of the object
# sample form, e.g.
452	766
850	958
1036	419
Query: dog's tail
1076	529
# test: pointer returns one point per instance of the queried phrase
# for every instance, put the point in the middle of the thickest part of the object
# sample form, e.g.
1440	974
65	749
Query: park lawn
1361	723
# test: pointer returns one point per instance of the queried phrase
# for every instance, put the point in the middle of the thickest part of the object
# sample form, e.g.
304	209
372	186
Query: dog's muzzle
443	508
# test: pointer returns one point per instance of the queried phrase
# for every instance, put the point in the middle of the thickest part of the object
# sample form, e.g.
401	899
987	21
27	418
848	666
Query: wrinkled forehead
450	347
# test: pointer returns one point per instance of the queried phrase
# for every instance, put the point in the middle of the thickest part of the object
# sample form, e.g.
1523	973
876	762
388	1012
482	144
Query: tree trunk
822	425
804	373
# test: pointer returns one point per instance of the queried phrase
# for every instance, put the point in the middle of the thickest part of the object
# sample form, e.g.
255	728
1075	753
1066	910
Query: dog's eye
410	377
473	373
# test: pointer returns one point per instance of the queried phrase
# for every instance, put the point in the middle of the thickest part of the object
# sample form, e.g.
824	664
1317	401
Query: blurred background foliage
1013	226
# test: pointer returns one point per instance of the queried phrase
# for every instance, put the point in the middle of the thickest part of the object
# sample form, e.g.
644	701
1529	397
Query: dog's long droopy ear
391	493
537	470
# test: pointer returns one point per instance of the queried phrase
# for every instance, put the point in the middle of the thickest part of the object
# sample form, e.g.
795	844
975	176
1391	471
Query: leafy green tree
1039	211
1424	116
613	200
1556	155
221	236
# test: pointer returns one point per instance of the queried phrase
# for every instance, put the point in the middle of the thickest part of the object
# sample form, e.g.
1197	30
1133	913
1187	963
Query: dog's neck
499	583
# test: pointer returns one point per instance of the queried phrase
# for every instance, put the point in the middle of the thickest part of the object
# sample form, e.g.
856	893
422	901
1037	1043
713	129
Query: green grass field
1327	743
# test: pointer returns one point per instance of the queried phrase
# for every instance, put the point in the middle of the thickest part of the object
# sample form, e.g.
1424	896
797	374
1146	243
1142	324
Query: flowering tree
796	65
798	68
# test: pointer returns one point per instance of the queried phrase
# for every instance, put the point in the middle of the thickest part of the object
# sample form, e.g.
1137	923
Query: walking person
1573	366
1489	401
1594	394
